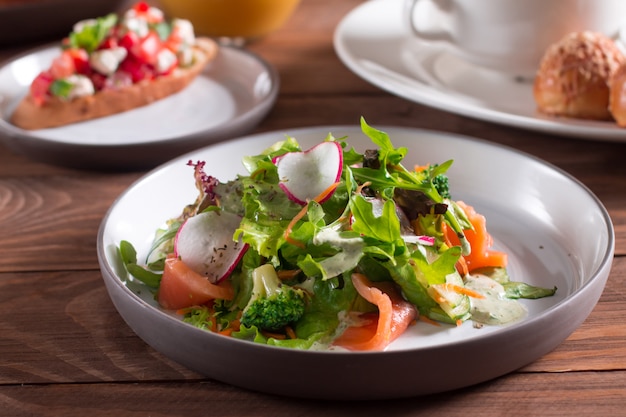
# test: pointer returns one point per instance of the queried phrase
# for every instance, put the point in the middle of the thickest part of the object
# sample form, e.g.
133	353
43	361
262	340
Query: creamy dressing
494	308
351	250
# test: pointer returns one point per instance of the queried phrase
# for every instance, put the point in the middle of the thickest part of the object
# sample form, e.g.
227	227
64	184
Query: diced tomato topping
141	7
98	80
140	63
128	41
81	60
174	40
108	43
170	69
62	66
40	86
138	70
148	48
143	10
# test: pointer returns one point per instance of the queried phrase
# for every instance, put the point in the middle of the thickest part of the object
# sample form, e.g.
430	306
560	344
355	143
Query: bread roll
617	99
574	76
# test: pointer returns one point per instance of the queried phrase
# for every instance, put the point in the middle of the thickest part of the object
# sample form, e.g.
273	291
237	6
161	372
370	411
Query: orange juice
247	19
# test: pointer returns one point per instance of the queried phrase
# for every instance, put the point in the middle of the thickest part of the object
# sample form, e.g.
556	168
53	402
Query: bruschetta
114	64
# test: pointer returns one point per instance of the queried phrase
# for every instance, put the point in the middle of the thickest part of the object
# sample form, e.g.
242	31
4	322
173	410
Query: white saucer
228	99
375	43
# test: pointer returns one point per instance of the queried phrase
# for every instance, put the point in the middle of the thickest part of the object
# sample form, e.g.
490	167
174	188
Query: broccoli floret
440	182
272	305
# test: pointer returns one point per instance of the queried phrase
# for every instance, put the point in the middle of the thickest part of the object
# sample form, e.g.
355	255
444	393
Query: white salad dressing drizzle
494	308
351	251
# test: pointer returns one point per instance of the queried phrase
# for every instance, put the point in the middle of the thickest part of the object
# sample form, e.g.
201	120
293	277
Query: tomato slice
137	69
40	86
148	48
141	7
174	40
129	40
80	57
108	43
62	66
182	287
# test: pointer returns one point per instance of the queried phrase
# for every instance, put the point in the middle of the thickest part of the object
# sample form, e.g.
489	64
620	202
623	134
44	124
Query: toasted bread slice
58	112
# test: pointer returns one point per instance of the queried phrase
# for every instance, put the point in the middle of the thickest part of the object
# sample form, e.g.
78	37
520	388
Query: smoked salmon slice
395	314
483	254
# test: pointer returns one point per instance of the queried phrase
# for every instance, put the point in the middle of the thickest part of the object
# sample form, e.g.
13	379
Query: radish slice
305	175
205	244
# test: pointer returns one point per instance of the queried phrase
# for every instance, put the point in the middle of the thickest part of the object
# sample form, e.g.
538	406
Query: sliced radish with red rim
305	175
205	244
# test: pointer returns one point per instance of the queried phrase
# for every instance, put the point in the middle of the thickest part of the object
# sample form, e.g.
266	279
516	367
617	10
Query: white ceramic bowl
555	231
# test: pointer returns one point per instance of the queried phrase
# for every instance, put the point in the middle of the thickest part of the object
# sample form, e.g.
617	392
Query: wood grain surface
65	351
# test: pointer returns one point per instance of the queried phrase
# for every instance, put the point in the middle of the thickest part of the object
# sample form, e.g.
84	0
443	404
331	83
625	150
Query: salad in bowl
327	248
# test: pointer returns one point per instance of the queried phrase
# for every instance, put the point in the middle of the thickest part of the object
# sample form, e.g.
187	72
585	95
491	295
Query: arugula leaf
61	88
388	154
435	272
129	258
268	212
385	227
522	290
91	35
251	163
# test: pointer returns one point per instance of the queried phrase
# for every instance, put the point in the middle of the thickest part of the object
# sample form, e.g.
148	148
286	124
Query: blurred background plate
374	42
229	98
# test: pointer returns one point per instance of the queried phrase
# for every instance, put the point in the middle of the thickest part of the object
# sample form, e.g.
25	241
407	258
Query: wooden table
64	350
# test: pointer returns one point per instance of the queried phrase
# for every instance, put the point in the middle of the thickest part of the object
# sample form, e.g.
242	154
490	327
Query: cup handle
438	12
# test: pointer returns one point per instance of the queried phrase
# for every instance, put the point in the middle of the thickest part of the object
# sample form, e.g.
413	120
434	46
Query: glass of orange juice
231	21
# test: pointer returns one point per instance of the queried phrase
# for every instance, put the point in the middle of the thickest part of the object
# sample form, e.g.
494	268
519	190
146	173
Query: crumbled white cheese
106	61
137	25
155	14
185	30
152	15
165	60
81	86
185	57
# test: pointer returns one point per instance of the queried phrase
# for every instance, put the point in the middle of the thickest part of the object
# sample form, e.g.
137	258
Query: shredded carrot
428	320
290	226
463	290
359	189
226	332
326	192
284	274
290	333
273	335
461	264
302	212
235	324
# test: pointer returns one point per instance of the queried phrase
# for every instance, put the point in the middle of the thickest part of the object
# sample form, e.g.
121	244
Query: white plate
374	42
228	99
555	230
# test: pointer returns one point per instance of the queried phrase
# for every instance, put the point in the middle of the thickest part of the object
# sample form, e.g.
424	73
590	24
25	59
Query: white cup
509	36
